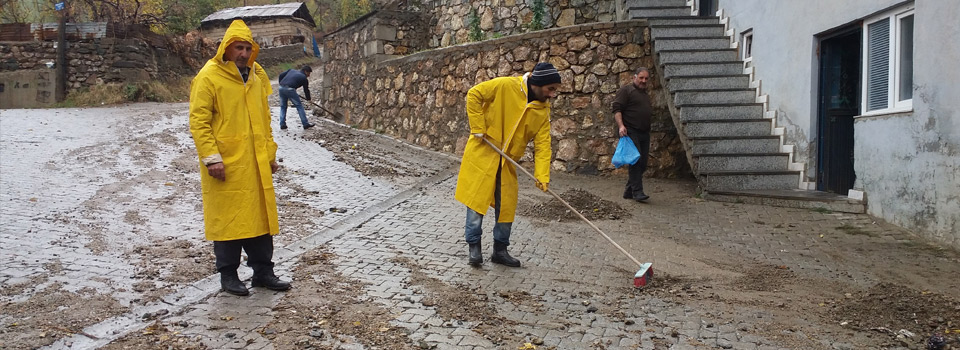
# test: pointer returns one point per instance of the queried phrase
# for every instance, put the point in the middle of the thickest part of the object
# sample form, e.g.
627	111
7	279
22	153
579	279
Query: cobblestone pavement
86	193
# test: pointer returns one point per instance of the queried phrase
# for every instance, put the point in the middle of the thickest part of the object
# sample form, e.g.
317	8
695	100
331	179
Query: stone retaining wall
508	17
96	61
420	98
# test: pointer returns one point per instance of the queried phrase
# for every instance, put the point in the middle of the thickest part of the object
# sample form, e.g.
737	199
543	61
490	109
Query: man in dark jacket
632	111
290	81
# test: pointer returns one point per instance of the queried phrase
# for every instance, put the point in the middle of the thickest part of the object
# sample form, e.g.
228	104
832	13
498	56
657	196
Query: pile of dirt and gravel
764	278
590	205
889	308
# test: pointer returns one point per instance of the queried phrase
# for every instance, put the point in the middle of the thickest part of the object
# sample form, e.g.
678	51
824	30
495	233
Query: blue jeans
291	94
501	230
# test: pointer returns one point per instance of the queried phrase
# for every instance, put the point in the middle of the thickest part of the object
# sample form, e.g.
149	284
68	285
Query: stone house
272	25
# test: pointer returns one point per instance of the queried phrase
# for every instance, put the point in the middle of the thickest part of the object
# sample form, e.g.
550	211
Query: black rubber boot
476	255
500	255
232	284
270	281
260	259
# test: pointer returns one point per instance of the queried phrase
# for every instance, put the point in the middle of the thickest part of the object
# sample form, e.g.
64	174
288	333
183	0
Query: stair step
700	97
738	145
678	43
703	69
664	11
709	30
656	3
699	56
695	82
688	20
734	127
720	112
742	162
749	180
791	198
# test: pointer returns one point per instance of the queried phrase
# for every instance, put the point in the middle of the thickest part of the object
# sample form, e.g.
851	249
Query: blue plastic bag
626	154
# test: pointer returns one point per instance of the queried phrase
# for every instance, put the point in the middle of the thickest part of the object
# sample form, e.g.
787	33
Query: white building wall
908	164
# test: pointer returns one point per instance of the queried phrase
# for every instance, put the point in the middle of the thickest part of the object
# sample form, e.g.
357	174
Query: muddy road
101	230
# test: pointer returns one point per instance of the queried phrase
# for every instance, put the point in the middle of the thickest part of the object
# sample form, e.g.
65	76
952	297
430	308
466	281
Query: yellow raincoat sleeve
478	96
542	153
201	120
267	91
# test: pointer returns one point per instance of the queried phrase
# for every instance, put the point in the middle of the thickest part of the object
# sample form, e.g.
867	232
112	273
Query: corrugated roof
262	11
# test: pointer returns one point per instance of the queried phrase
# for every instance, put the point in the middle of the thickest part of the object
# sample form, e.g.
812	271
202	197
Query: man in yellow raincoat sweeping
230	123
509	112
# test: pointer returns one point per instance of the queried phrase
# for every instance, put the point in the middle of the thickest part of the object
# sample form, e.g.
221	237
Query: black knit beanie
544	74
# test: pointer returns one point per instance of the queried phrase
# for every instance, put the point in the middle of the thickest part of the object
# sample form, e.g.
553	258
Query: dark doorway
708	8
839	102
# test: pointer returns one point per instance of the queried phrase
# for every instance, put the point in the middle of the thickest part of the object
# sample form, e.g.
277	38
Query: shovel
338	116
641	278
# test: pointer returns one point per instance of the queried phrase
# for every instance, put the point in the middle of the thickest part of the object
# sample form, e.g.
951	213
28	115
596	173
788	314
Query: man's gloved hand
479	136
543	186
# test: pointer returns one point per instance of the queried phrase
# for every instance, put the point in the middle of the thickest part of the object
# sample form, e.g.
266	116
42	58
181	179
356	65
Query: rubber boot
270	281
476	255
500	255
230	283
260	259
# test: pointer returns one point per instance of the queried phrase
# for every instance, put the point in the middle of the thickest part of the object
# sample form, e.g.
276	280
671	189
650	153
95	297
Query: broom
641	278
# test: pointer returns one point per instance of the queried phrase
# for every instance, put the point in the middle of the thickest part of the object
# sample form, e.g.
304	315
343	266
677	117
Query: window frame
894	105
746	40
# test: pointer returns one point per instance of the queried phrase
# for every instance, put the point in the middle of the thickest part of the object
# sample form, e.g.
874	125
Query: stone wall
383	32
420	98
95	61
507	17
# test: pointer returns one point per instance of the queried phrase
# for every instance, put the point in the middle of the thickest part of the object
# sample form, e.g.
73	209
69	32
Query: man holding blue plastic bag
632	111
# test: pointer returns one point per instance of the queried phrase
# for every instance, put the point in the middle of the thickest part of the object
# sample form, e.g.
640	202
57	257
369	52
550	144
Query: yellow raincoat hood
238	31
230	123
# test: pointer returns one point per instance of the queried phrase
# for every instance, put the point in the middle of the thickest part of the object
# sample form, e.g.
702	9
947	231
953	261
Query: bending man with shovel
509	112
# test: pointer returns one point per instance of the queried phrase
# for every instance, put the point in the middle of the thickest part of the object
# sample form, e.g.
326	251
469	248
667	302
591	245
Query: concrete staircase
730	138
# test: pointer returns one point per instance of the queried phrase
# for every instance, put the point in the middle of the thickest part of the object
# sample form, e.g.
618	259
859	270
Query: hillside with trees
169	16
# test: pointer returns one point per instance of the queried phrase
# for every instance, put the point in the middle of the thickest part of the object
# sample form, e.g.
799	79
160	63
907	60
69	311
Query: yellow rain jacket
230	122
499	109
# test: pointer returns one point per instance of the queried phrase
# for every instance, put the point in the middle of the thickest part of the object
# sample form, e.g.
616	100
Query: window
888	58
746	38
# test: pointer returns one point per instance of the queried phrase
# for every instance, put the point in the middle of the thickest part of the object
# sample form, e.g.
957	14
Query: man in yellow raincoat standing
230	123
509	112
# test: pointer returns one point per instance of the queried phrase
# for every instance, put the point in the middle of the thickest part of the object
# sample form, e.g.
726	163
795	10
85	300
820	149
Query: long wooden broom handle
564	203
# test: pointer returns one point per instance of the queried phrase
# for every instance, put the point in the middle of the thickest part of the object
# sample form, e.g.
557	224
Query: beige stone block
567	17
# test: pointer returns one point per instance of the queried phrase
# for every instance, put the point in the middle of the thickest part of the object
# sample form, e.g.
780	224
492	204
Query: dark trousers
641	139
259	254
